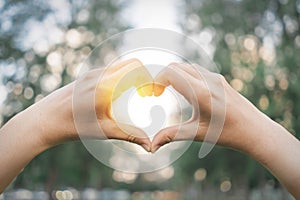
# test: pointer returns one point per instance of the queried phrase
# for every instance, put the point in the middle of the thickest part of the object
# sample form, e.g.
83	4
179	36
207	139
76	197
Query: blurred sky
153	14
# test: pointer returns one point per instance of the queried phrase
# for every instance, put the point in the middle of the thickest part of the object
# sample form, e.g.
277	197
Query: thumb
127	133
184	131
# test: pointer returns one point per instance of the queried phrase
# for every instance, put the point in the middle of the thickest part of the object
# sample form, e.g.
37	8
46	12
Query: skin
246	129
40	126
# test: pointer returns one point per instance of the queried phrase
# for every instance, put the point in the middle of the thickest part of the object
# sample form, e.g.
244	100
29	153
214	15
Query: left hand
93	97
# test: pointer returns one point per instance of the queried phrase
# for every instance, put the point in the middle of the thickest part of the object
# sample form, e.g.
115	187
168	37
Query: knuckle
168	139
131	138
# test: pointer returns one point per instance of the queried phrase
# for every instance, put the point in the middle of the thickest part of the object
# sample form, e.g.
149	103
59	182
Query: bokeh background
256	45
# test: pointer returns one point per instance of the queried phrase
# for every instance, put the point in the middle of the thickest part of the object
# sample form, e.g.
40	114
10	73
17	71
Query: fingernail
154	149
145	90
146	147
148	88
158	89
141	92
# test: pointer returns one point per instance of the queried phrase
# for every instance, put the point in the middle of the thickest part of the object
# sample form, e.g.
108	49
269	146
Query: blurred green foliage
256	45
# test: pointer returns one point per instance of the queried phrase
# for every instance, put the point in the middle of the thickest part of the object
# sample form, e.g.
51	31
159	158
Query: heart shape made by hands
147	100
149	113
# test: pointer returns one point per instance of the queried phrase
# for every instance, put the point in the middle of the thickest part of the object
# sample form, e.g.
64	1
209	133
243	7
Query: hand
51	120
204	89
114	82
245	128
92	95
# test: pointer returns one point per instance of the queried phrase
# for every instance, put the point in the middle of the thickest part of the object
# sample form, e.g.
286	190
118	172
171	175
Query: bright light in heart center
148	113
139	108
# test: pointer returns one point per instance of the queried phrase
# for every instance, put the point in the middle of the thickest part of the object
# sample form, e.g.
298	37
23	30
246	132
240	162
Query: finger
136	69
191	69
126	132
201	69
185	131
194	69
150	89
133	74
115	66
178	79
112	76
201	77
158	89
145	90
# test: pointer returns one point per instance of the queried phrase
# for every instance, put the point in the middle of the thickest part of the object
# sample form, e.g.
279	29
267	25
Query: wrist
245	125
277	150
250	130
55	117
255	134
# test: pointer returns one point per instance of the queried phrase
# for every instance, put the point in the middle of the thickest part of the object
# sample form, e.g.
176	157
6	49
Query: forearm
34	130
279	151
273	146
20	142
249	130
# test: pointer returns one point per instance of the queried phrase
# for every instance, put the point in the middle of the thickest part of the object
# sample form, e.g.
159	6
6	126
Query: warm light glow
149	113
134	109
139	107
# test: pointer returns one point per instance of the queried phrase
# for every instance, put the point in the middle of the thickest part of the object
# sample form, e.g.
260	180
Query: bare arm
26	135
51	121
245	128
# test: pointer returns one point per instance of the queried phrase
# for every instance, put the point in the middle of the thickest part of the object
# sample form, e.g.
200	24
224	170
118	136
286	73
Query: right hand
202	88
